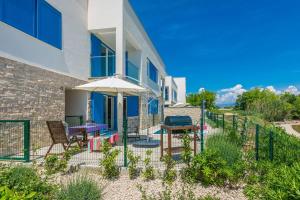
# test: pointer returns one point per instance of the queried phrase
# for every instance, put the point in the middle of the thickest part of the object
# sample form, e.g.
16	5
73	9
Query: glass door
110	112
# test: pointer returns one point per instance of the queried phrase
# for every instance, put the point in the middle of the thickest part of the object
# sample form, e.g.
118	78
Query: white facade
115	22
181	89
170	89
112	21
74	58
175	91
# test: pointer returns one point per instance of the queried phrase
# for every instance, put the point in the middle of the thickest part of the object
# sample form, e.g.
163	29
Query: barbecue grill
177	125
179	121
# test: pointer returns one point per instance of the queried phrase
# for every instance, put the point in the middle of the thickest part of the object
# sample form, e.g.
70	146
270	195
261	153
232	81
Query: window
102	58
153	106
167	93
19	14
34	17
152	71
174	95
49	24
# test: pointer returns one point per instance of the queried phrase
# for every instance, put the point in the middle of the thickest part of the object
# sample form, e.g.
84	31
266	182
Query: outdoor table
169	130
85	129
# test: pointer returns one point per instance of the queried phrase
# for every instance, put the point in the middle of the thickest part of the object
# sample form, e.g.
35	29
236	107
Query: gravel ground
124	188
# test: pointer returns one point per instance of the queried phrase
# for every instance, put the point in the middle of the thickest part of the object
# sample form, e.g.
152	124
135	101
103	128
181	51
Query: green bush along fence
264	142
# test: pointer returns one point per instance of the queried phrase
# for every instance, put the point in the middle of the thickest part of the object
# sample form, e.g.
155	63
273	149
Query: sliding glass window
102	59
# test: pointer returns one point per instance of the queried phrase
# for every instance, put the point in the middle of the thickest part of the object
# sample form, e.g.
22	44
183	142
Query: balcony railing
103	66
132	73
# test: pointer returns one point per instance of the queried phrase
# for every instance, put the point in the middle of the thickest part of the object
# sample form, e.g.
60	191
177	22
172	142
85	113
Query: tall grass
80	188
227	145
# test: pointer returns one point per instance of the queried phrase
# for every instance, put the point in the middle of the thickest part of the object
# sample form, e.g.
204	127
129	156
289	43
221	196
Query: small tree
132	167
196	99
109	167
148	173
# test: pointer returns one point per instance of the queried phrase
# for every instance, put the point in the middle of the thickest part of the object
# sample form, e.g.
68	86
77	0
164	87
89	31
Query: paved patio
87	158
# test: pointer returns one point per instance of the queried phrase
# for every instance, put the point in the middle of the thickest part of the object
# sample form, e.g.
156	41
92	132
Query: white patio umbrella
112	85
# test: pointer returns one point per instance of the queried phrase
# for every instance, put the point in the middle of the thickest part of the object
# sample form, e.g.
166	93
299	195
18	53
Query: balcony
102	66
132	73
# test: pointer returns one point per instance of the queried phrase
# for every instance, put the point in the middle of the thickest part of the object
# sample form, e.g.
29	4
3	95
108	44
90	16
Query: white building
175	91
47	47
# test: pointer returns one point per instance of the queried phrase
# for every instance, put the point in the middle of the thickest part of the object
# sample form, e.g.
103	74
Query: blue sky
218	44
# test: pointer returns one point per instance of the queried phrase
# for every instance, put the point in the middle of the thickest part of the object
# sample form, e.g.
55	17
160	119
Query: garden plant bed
124	188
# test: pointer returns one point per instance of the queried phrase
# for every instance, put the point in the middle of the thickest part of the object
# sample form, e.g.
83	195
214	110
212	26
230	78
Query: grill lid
178	121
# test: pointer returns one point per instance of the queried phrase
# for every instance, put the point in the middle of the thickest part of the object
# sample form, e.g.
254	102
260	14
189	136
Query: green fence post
81	120
232	122
202	126
271	145
217	117
244	131
125	140
256	142
27	141
223	119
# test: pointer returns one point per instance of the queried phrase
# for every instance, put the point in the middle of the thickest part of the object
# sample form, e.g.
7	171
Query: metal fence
264	142
15	140
30	140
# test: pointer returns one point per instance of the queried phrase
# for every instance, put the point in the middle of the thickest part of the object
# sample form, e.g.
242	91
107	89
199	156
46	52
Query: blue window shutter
1	10
98	107
95	59
96	45
153	106
49	24
96	67
20	14
152	71
132	106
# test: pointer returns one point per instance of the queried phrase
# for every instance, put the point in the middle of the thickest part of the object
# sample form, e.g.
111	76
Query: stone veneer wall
193	112
147	120
28	92
133	124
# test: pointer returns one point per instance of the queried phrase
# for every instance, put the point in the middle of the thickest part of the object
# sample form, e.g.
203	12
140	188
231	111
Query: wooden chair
135	134
59	136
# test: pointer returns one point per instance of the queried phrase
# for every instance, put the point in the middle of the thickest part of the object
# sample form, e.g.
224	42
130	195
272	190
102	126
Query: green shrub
25	181
148	172
132	167
187	153
169	174
80	188
270	181
184	193
7	194
54	164
210	168
71	152
108	164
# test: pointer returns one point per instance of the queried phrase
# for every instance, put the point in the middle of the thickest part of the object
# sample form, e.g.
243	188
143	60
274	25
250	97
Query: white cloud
201	90
292	89
228	96
272	89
